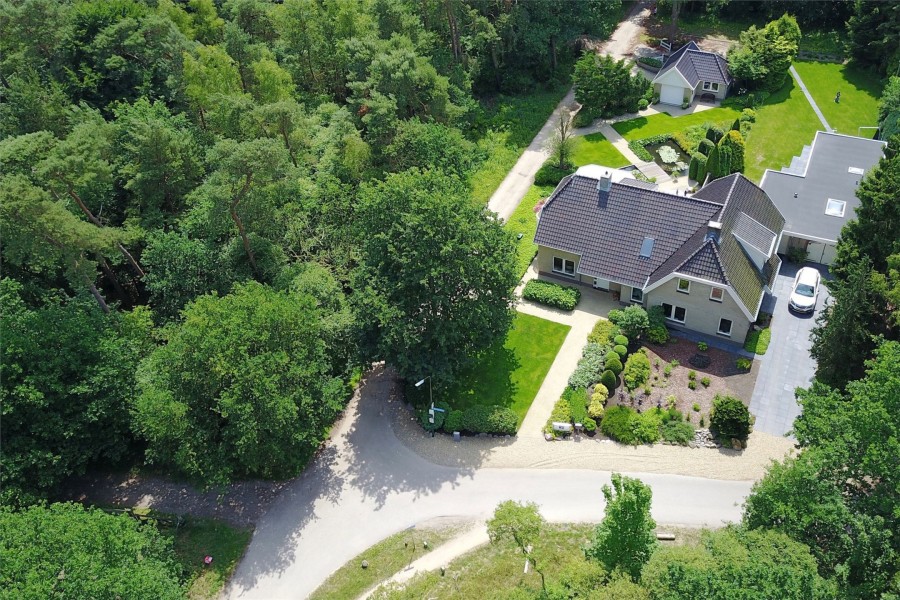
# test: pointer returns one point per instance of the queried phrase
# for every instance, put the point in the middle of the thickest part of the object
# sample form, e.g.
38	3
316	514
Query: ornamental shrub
551	174
736	126
706	146
502	420
565	297
608	380
594	351
620	340
677	432
748	115
595	408
729	418
658	333
453	421
633	321
643	104
714	134
589	423
560	414
692	374
732	145
637	370
692	384
577	399
637	146
706	381
613	365
603	333
620	350
629	427
475	419
612	355
743	364
601	393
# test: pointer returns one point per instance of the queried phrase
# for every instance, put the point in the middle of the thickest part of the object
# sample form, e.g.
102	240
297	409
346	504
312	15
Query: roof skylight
835	208
647	247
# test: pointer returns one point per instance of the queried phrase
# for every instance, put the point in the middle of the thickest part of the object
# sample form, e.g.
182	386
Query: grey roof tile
697	65
754	233
705	264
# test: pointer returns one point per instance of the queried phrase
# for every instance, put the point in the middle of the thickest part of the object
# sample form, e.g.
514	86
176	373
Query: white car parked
805	291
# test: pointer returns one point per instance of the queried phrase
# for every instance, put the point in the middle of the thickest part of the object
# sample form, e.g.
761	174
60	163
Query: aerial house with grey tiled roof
707	259
691	72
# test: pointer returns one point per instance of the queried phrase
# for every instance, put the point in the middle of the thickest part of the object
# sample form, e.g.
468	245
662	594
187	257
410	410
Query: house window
684	286
711	86
716	294
637	295
725	327
674	313
564	266
835	208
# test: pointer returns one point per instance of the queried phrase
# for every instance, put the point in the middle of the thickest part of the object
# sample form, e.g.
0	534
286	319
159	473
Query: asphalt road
366	485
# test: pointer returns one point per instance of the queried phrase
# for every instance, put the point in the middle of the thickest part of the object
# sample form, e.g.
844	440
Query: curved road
366	485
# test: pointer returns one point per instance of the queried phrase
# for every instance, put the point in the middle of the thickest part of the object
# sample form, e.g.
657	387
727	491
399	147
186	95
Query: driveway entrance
787	365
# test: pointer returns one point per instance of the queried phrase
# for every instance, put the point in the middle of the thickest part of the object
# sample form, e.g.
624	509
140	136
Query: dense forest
215	212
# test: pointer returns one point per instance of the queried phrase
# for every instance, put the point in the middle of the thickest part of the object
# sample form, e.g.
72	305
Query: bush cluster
614	365
561	414
625	425
453	421
638	148
439	417
650	61
551	174
637	370
620	350
677	432
633	320
577	399
565	297
489	419
591	366
729	418
604	332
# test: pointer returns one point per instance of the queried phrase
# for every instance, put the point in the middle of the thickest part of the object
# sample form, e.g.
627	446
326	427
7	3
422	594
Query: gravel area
588	453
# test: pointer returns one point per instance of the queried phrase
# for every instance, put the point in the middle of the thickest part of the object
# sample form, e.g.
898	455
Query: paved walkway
809	97
518	181
787	365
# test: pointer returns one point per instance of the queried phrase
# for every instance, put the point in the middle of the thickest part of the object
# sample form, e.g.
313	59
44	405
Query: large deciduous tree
242	387
68	374
606	87
625	538
68	551
763	57
521	525
436	276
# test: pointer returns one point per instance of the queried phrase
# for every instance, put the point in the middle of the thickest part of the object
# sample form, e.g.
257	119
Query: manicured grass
644	127
514	121
508	374
595	149
860	91
758	341
385	558
197	538
784	124
524	221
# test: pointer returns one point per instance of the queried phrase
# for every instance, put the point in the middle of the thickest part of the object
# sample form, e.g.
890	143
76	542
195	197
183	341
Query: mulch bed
722	371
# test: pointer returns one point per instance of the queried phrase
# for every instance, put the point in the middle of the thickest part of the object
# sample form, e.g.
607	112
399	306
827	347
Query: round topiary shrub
596	409
642	104
729	418
608	380
590	425
620	350
601	393
620	340
613	365
611	355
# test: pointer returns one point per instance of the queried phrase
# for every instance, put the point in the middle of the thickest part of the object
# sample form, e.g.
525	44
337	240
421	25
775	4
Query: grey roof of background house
826	176
607	230
697	65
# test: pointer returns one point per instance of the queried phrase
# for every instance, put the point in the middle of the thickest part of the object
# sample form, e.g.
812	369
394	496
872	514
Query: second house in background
707	260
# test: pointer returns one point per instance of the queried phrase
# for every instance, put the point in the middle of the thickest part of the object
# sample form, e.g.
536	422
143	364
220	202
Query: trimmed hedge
453	421
490	419
577	400
729	418
620	350
638	148
565	297
705	147
620	340
608	379
614	365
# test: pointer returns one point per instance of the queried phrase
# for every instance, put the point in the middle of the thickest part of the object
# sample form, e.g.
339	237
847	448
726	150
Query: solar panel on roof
647	247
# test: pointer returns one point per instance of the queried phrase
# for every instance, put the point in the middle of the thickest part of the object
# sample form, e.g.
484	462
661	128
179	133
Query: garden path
809	97
650	169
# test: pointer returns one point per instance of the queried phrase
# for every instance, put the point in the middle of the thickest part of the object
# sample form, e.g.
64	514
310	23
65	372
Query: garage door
671	94
821	253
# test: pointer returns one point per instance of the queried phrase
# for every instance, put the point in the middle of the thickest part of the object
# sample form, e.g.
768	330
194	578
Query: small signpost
431	412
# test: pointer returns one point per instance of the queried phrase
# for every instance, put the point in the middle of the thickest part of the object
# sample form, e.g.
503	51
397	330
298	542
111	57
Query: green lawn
595	149
385	558
758	340
860	91
524	221
508	374
197	538
784	124
644	127
513	123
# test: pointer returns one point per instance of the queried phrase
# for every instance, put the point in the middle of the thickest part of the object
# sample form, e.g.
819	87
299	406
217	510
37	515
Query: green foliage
424	297
714	134
552	294
889	109
596	407
240	359
615	366
677	432
705	381
606	87
758	340
439	417
520	525
657	332
633	321
68	378
577	399
590	425
490	419
624	539
453	421
749	115
603	333
620	340
637	370
702	346
762	59
590	366
692	375
624	425
729	418
620	350
871	34
430	145
744	364
69	551
561	413
551	174
649	61
730	561
706	145
692	385
637	146
609	380
696	407
732	146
